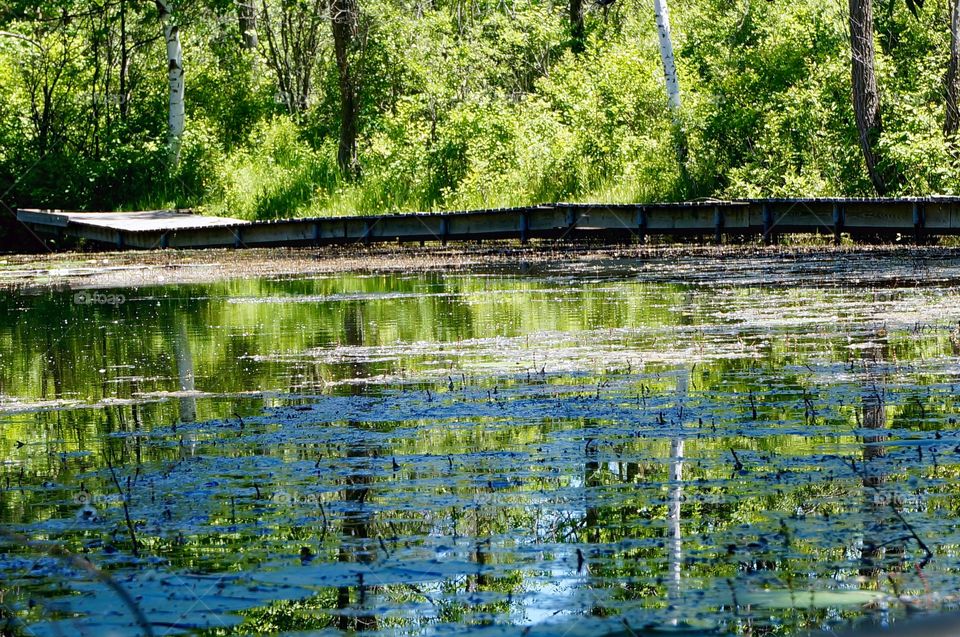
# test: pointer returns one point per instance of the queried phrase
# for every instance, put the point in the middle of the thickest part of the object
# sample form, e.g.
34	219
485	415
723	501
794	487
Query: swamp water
692	444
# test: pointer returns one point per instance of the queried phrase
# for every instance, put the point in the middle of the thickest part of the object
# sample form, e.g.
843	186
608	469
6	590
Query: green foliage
466	105
274	174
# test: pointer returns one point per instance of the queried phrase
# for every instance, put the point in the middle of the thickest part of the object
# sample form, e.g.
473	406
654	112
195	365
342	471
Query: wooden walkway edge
912	218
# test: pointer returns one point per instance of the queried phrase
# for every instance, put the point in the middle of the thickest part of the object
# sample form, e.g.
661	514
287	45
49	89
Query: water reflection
598	449
358	545
188	404
675	597
883	551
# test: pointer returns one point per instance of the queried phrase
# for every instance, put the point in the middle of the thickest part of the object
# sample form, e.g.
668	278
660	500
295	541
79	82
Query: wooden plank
143	221
52	219
937	217
698	219
876	217
782	217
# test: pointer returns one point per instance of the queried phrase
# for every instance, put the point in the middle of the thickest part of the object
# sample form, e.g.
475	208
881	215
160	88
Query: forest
275	108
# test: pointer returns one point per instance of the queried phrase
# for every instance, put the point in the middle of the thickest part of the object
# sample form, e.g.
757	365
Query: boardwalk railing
914	219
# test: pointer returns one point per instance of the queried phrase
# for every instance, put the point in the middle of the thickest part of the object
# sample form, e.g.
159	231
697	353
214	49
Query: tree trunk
177	112
666	54
343	15
124	64
672	83
866	97
576	26
247	17
952	121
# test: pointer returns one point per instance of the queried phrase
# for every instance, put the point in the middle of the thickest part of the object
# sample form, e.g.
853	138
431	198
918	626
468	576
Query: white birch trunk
666	53
177	113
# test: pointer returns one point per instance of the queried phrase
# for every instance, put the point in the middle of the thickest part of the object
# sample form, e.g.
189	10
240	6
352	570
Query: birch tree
666	55
672	83
176	118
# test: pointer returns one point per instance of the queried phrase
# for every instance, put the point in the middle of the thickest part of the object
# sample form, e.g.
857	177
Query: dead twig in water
323	533
242	424
737	465
126	510
86	566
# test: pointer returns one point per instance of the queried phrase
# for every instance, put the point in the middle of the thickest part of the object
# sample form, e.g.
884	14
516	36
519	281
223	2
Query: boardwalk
913	219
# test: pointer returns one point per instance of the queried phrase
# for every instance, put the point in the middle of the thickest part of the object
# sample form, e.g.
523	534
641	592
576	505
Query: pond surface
753	445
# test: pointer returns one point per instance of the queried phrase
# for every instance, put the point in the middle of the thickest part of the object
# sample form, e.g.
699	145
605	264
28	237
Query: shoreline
78	270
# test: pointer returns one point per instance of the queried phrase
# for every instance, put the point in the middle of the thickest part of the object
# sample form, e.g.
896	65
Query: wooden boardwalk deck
915	219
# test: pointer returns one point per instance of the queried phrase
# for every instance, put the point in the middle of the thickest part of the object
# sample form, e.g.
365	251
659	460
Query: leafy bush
275	175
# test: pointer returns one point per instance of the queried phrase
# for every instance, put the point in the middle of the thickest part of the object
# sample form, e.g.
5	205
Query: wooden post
119	239
316	232
366	232
238	237
839	218
524	227
767	224
718	223
444	229
919	221
642	222
571	218
165	240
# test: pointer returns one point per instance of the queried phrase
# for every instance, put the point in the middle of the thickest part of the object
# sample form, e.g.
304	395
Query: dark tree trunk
343	16
952	121
866	97
576	26
124	64
247	18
